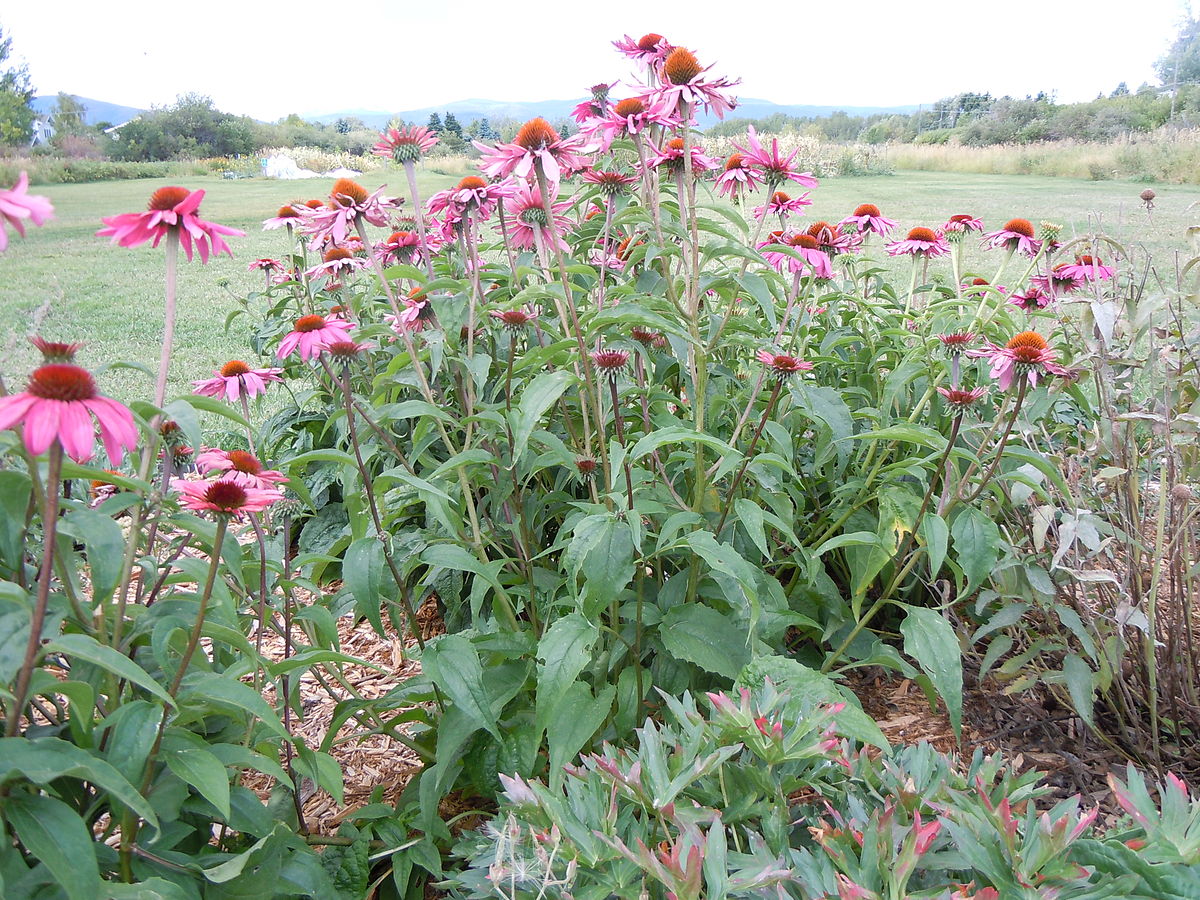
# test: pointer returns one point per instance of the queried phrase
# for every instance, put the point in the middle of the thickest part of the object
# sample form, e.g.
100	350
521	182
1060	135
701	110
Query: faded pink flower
1016	235
782	205
921	241
240	467
312	334
671	156
813	261
649	49
224	496
17	205
737	176
782	365
471	193
348	202
776	169
1026	355
234	379
58	405
869	220
681	82
1086	268
961	399
171	209
406	144
516	319
527	217
633	115
536	141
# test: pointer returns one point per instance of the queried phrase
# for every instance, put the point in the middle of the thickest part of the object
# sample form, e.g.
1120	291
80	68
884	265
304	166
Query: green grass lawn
111	298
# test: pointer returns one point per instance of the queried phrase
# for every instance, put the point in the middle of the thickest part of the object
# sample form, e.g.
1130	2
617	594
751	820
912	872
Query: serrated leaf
702	636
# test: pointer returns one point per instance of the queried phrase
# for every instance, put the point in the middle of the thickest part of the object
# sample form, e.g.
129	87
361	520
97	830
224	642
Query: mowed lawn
111	298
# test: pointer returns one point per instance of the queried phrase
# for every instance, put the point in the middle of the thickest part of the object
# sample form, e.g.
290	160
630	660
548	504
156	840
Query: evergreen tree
16	98
485	130
452	126
435	123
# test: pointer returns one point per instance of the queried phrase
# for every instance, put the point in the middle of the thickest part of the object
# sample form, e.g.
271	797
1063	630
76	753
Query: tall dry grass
1170	156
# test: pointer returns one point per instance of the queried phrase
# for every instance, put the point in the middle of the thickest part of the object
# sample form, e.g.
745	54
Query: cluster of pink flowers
232	483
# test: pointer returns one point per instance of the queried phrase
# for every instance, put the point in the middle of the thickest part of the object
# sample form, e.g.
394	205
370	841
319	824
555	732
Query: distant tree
16	98
1181	63
1121	90
451	125
485	130
435	123
191	127
341	126
69	115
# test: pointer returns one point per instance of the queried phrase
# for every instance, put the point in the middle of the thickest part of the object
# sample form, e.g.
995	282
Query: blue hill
97	110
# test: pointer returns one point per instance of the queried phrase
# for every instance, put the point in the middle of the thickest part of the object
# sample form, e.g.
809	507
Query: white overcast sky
267	59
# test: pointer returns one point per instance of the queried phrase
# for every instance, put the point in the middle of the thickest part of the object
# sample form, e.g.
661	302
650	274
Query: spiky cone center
610	362
55	351
226	496
624	248
631	106
514	319
585	466
600	93
648	42
471	183
961	399
181	452
1050	230
612	183
1147	195
1022	227
779	198
735	161
783	366
169	430
344	350
306	324
866	209
536	134
804	241
644	335
681	66
823	232
1086	259
405	148
234	368
289	211
1028	347
243	461
534	215
62	381
166	198
920	233
336	254
347	192
315	204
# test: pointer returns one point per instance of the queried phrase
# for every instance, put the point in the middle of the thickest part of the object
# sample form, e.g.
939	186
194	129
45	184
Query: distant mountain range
467	111
97	110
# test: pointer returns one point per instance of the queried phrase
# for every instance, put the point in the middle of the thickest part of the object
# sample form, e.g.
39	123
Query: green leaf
1080	681
105	544
215	406
853	539
452	663
15	490
563	651
976	545
601	549
936	534
575	720
908	434
212	689
16	618
45	759
538	396
150	889
750	514
731	571
87	648
204	772
676	435
363	574
59	840
931	641
702	636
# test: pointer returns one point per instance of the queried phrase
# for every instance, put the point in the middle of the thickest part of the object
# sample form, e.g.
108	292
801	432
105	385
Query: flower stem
209	582
38	621
164	359
410	171
737	481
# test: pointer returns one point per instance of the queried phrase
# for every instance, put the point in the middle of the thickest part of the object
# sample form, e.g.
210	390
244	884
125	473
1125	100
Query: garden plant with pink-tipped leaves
638	430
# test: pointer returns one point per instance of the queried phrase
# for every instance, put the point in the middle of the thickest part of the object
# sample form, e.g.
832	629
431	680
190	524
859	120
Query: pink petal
41	425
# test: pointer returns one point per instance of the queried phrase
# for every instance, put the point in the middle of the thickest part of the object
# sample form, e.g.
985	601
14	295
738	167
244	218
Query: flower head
406	247
235	379
527	218
812	259
55	351
775	168
960	223
240	467
472	193
610	362
648	49
288	214
414	315
1026	355
960	399
266	265
737	176
1086	268
833	239
348	202
516	319
1016	235
345	351
633	115
781	365
610	183
312	334
923	242
172	210
957	341
336	262
680	78
671	156
225	497
405	145
17	205
585	467
58	405
646	337
868	219
536	143
783	205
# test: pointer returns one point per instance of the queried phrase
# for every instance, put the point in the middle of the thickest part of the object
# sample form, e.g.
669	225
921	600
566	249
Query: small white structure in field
284	167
